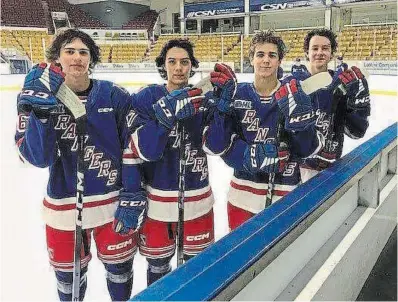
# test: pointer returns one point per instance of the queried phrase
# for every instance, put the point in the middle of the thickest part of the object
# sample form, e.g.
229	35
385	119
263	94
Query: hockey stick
310	85
78	110
316	82
181	194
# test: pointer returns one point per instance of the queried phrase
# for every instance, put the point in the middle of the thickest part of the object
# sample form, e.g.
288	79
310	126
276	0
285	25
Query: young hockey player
299	71
163	114
340	111
46	137
256	133
341	66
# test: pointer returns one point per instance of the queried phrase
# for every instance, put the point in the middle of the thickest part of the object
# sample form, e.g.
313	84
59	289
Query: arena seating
22	13
368	42
144	21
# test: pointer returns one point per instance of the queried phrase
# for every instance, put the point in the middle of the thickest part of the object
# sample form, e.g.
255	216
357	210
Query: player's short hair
323	32
67	36
180	43
267	36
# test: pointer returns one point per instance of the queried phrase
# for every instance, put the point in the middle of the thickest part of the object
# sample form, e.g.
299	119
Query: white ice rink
25	272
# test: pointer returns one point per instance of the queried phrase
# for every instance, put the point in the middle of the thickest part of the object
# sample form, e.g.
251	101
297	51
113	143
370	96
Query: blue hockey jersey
156	149
353	123
256	119
53	143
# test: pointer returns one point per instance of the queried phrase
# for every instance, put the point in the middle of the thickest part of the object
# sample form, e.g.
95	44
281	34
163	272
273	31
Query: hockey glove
224	79
40	87
349	83
295	106
265	158
325	158
178	105
130	213
360	98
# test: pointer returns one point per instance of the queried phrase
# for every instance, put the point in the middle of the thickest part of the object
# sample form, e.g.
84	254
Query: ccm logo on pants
119	245
198	237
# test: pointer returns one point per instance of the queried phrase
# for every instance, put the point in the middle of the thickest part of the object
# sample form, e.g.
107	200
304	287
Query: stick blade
318	81
204	84
71	101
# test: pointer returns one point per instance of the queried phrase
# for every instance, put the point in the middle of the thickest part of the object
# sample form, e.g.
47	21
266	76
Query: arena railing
319	242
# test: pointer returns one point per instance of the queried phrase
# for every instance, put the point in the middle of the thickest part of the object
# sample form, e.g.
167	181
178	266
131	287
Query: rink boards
324	236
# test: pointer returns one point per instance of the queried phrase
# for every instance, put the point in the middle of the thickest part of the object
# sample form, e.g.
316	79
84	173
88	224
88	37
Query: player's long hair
267	36
180	43
67	36
323	32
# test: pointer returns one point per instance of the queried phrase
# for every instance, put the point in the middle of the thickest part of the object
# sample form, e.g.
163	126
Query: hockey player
46	137
341	66
299	71
339	111
163	113
255	132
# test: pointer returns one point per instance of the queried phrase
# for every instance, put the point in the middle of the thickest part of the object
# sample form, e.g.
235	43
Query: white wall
133	81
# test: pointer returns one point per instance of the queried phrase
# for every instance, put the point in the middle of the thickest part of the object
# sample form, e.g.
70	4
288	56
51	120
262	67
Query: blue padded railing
206	275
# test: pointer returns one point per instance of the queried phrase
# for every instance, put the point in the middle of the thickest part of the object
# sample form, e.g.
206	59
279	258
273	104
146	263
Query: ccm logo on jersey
198	237
119	245
133	203
104	110
302	118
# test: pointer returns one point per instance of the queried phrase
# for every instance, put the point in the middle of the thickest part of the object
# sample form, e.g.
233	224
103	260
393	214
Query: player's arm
132	208
35	135
356	101
298	119
157	120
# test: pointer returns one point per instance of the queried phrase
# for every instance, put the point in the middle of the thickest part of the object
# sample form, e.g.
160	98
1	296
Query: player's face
75	58
178	67
265	60
319	52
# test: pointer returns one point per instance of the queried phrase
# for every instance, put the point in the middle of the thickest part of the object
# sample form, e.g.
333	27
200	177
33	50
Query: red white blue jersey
52	143
256	119
156	149
350	122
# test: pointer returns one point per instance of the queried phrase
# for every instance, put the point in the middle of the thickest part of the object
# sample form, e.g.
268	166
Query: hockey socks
157	268
119	278
64	284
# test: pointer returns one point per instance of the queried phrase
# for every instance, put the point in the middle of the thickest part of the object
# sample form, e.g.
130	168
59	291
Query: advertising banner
272	5
213	9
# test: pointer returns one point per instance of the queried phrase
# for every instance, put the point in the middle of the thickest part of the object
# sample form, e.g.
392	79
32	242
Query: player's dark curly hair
67	36
323	32
180	43
267	36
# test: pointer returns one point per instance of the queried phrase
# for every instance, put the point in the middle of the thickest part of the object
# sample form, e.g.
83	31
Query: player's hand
325	158
358	97
178	105
224	80
266	158
130	213
39	90
295	106
350	83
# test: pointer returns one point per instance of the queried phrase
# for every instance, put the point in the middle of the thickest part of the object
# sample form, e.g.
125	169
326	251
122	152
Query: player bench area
326	235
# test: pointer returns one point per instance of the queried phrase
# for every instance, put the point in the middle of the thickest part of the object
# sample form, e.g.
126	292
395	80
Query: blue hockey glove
265	158
325	158
130	213
295	106
224	79
40	87
178	105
